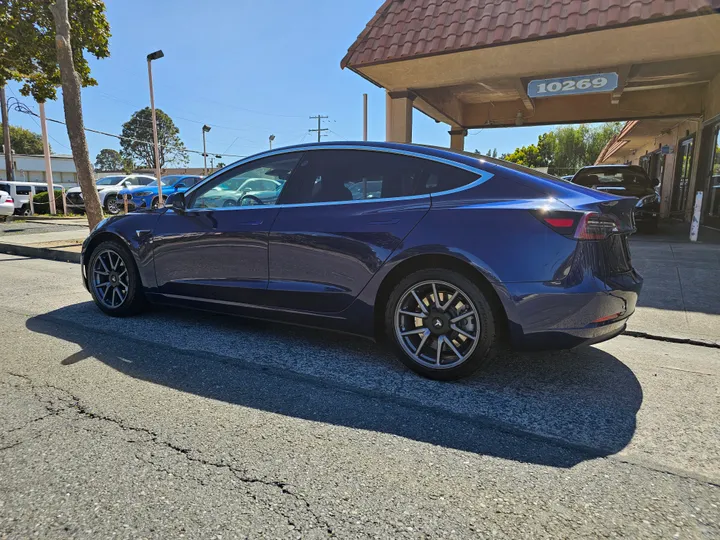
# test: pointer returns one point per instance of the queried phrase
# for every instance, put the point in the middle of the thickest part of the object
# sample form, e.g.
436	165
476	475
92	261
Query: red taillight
9	199
594	226
559	223
579	225
562	222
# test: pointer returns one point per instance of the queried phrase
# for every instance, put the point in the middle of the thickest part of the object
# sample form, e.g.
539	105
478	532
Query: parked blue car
147	196
444	254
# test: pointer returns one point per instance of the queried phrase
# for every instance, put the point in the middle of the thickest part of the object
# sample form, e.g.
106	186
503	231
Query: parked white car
7	206
20	193
108	189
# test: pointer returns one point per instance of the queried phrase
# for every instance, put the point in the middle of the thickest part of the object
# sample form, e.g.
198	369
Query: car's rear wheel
114	281
111	205
441	324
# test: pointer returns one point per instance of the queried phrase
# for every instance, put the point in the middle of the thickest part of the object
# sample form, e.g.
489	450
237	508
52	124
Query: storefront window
713	194
682	176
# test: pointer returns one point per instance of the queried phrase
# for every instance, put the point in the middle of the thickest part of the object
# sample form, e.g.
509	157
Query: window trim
483	176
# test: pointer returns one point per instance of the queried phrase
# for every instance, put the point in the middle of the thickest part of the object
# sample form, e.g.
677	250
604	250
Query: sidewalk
63	245
681	295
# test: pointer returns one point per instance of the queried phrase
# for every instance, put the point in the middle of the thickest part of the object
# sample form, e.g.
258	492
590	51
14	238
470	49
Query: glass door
712	206
682	176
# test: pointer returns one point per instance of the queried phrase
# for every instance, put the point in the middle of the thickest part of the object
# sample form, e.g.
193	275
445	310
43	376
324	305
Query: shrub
41	201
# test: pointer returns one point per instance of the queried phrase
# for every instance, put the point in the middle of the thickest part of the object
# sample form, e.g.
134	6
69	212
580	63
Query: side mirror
180	185
656	182
176	201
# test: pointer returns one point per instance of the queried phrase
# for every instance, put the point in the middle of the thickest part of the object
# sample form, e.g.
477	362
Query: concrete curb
40	253
68	222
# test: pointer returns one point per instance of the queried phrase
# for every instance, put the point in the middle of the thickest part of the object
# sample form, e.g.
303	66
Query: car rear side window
441	177
351	175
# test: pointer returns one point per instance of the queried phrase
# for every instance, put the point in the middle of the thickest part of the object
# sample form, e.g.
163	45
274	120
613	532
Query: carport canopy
470	63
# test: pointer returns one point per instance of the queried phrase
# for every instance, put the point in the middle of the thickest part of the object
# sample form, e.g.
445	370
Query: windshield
109	180
172	179
612	177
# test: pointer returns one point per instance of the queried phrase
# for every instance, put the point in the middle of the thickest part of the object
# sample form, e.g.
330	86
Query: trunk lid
612	254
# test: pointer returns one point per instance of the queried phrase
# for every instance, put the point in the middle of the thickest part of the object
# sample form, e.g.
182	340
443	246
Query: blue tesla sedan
445	255
147	196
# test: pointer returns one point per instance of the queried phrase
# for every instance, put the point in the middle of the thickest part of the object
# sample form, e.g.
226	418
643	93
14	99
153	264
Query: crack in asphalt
669	339
73	403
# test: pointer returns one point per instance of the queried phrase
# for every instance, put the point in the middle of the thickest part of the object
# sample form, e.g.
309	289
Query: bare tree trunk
73	113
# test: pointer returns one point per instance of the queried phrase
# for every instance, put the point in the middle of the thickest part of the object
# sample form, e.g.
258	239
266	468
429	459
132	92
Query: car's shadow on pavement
552	408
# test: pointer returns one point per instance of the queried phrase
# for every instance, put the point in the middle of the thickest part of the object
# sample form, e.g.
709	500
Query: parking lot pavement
227	426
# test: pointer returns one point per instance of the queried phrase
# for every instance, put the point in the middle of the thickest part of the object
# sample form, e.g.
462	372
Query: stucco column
457	138
398	116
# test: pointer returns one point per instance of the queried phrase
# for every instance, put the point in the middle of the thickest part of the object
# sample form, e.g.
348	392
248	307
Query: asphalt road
226	428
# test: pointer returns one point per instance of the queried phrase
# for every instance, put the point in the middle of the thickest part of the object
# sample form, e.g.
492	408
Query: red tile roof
403	29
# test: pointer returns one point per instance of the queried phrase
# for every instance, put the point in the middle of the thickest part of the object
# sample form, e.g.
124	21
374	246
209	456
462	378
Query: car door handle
385	222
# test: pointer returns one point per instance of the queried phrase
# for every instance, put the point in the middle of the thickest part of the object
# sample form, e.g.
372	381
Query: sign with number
566	86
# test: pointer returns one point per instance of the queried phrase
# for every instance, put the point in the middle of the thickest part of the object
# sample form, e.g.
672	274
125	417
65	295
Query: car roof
463	158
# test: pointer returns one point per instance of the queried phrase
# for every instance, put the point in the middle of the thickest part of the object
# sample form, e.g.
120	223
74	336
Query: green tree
529	156
42	46
137	140
220	165
598	137
112	160
24	141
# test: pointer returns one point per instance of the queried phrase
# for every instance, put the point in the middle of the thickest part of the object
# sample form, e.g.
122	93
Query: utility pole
365	111
9	175
48	162
319	129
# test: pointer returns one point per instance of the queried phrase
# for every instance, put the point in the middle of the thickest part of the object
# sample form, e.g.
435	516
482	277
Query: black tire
487	339
111	205
134	301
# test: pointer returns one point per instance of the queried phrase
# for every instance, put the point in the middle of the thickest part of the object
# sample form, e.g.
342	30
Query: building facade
31	168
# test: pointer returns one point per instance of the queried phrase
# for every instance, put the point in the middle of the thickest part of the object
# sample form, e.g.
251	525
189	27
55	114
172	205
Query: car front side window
230	190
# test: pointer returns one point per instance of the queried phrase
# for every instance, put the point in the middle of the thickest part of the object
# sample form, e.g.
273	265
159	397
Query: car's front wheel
114	281
154	204
441	324
111	205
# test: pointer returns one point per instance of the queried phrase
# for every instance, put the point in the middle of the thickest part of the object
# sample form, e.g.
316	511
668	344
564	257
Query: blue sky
247	68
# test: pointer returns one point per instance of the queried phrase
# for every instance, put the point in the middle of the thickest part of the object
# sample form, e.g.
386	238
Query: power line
341	137
319	129
21	107
38	123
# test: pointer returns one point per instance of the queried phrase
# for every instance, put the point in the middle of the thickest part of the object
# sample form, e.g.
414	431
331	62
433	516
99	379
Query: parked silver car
108	189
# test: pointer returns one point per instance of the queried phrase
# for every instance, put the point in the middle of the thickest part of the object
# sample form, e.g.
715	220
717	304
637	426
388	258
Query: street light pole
150	57
271	138
48	161
205	129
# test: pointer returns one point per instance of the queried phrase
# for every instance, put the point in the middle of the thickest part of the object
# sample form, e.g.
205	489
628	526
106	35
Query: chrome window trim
484	176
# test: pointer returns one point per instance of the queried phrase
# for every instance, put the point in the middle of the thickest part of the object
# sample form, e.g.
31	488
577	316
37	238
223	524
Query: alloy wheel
110	279
112	204
437	324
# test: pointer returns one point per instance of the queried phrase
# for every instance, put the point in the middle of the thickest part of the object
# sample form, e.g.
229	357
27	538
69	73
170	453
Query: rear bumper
547	316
